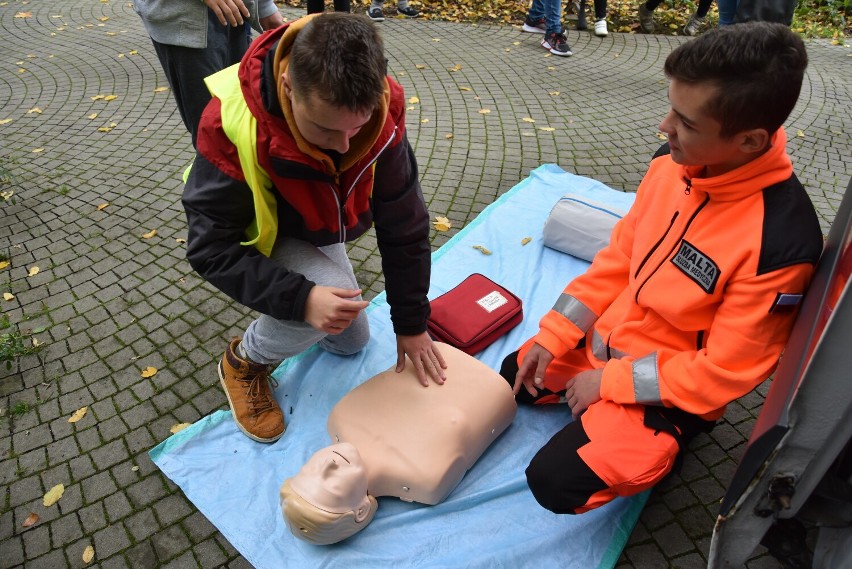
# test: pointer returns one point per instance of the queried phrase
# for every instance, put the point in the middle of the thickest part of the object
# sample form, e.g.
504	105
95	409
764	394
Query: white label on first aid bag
492	301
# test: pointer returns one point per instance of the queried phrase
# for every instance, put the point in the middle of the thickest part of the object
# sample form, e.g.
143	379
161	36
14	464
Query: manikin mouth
341	456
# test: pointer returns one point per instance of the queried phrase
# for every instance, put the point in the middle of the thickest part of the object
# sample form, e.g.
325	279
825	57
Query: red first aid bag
474	313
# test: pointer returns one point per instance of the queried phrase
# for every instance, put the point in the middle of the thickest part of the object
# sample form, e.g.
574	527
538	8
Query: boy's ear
754	141
285	82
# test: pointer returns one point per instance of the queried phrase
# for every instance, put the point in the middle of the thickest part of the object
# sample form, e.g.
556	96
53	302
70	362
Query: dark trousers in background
186	67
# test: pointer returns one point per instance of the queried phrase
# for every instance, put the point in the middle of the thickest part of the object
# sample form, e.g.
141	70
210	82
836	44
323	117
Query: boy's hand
229	11
583	389
330	309
272	21
532	370
423	353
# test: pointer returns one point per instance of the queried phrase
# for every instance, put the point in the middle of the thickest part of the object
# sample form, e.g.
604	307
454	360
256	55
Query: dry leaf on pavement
149	234
526	240
149	372
78	414
53	495
31	520
179	427
33	271
88	554
482	249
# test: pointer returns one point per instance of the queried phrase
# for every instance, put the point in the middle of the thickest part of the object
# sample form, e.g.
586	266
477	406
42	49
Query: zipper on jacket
688	189
676	242
341	213
699	345
656	245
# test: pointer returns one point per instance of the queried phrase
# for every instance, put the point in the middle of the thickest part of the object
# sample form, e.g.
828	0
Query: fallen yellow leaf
34	110
103	18
53	495
161	89
110	97
441	226
92	116
528	119
553	93
5	121
111	34
436	39
179	240
104	128
179	427
103	206
78	414
32	519
546	128
37	150
484	111
36	343
413	100
7	195
448	136
424	120
465	88
800	133
661	136
24	15
482	249
419	66
149	234
8	296
149	372
97	97
525	240
456	67
33	271
4	264
88	554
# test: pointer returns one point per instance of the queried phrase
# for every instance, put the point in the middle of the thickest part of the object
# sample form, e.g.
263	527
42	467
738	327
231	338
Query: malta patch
697	266
785	302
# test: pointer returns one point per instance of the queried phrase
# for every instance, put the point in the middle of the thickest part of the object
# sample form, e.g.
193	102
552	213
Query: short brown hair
756	67
340	57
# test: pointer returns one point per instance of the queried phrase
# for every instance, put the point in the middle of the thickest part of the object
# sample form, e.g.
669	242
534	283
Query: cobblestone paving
108	302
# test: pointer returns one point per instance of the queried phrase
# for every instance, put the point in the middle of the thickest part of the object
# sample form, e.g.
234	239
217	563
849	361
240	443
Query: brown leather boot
252	404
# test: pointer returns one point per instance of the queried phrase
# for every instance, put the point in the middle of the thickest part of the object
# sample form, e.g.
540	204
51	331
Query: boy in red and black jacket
302	149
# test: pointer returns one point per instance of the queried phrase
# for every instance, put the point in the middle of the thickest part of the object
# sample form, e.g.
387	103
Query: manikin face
322	124
334	479
694	136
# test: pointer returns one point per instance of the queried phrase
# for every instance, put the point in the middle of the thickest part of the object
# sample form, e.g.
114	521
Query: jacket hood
769	168
255	70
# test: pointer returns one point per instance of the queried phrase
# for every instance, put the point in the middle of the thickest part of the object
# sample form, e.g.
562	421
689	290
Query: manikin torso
409	441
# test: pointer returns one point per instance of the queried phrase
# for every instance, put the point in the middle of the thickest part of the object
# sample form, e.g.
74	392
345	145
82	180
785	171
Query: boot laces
259	393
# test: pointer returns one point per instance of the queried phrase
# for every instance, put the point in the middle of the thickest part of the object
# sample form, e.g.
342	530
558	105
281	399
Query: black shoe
408	12
376	14
557	44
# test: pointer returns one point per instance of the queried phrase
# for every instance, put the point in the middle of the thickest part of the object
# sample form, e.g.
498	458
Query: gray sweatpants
268	340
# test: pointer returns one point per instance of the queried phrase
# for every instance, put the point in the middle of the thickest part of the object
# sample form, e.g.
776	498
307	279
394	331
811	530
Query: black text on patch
697	266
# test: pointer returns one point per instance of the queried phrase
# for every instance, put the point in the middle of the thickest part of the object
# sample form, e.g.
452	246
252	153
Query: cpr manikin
393	437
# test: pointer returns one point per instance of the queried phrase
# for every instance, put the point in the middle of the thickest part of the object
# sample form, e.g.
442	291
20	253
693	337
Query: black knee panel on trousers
558	478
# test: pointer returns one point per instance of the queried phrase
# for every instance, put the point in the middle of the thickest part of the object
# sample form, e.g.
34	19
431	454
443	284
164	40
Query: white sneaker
600	28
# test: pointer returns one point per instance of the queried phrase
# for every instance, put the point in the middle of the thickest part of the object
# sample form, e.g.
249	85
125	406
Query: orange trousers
612	450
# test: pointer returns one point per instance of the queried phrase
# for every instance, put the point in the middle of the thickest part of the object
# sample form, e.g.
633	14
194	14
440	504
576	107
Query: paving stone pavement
108	302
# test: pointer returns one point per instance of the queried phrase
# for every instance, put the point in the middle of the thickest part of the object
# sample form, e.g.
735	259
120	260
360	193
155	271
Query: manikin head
327	500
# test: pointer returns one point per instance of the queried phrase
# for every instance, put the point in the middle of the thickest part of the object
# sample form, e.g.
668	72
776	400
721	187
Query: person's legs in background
535	22
317	6
186	67
554	38
646	15
600	18
727	11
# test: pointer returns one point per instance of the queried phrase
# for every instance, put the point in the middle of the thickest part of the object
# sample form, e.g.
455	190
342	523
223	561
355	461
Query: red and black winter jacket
318	200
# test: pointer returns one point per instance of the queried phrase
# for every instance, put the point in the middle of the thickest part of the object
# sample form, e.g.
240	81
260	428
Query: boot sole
234	414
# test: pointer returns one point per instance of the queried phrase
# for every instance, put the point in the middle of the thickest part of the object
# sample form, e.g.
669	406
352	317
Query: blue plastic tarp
491	519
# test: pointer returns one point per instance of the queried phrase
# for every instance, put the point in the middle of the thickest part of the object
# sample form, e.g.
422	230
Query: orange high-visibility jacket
693	300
